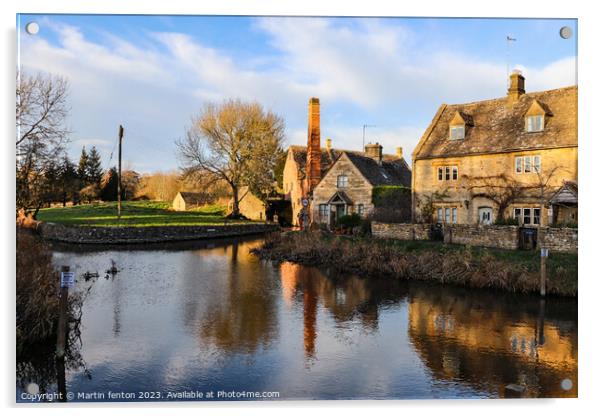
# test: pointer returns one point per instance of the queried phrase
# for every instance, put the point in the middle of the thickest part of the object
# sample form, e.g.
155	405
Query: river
209	321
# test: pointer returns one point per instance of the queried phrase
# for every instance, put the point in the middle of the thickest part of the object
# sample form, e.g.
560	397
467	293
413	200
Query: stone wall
142	235
401	231
495	236
559	239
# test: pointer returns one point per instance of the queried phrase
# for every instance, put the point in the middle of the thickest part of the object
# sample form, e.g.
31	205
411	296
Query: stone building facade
336	181
509	154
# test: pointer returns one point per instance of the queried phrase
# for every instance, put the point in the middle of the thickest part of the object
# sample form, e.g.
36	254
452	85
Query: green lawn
134	213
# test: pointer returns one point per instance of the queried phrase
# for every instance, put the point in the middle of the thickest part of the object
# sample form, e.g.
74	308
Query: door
485	215
340	211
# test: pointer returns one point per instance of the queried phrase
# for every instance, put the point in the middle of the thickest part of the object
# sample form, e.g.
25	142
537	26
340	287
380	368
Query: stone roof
193	197
389	172
494	126
567	194
392	170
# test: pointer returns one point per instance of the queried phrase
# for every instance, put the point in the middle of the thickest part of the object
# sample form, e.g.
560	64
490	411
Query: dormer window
457	127
456	132
534	123
535	117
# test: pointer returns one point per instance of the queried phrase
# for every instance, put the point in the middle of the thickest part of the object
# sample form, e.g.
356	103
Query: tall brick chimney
517	86
314	154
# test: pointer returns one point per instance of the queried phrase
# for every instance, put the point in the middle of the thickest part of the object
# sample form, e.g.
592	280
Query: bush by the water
418	260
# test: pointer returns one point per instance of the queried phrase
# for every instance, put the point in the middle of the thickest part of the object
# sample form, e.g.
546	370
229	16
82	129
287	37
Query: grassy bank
134	213
514	271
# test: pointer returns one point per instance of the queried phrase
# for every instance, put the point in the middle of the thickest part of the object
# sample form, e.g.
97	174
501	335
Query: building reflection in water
237	310
484	342
345	299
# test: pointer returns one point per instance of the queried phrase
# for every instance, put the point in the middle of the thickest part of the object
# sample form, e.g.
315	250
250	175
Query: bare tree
236	142
504	190
41	110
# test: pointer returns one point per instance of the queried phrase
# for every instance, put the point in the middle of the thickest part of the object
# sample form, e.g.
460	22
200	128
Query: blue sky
153	73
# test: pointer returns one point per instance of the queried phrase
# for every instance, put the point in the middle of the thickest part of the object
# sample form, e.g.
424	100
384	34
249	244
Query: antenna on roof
508	40
364	134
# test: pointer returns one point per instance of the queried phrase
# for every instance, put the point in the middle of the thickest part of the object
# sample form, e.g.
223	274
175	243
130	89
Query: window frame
457	132
342	181
360	210
518	165
454	173
454	215
535	123
440	173
525	216
440	215
323	211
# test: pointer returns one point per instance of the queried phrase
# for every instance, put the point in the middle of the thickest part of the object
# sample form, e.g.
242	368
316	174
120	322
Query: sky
153	74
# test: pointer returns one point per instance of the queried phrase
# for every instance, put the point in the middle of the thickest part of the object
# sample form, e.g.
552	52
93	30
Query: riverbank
145	235
508	270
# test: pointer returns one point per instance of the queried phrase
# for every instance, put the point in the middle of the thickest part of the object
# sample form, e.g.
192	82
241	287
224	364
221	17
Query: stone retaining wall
142	235
559	239
494	236
401	231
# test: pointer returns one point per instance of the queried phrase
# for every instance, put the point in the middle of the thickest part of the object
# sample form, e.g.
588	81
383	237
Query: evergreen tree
82	168
108	185
69	181
94	168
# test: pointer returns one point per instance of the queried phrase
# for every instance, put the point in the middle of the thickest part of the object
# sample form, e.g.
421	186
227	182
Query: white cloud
369	70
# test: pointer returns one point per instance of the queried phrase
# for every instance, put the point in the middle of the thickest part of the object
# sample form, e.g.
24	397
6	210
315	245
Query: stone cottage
500	158
187	200
336	182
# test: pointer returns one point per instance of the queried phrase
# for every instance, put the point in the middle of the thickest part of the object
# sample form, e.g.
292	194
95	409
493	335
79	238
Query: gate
436	232
527	238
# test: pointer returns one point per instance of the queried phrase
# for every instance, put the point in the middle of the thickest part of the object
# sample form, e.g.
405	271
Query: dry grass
464	266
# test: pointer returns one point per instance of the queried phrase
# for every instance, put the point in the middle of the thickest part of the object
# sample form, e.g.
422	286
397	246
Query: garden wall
495	236
141	235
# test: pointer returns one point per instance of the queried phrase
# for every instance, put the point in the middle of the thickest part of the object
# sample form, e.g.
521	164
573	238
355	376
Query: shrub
506	221
349	221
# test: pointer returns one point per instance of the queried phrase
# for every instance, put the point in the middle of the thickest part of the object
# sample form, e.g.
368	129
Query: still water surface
212	317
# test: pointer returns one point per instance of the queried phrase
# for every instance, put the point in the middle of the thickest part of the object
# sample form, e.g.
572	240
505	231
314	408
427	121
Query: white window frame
360	210
457	132
454	173
535	123
454	215
440	173
536	163
527	164
538	216
447	215
440	215
447	173
342	181
518	165
525	216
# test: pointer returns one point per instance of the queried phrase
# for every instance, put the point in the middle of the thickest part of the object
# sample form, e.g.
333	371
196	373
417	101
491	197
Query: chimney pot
328	144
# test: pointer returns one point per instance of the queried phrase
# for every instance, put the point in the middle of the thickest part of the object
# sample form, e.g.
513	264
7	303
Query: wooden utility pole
119	174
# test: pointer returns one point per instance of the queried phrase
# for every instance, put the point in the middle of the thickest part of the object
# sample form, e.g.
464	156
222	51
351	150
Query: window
342	181
323	211
439	214
456	132
534	123
454	215
360	209
536	215
527	164
447	173
447	212
536	164
527	216
517	214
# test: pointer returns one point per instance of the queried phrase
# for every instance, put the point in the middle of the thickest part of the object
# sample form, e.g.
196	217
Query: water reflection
213	317
491	341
